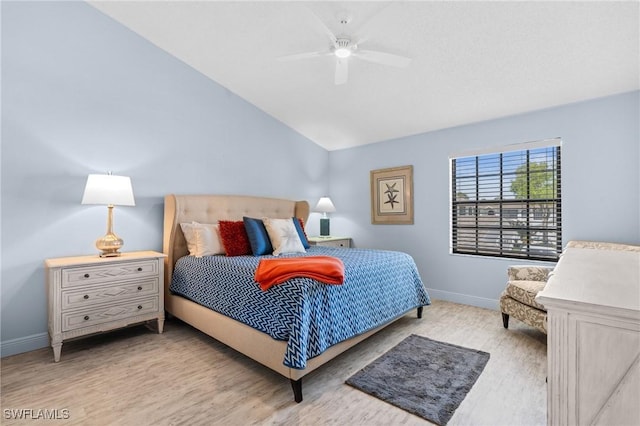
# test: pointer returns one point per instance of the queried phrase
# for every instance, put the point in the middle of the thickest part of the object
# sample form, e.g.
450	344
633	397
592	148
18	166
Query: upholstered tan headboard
212	208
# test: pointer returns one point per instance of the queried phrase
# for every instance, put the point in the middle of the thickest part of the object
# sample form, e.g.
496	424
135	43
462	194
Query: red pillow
234	238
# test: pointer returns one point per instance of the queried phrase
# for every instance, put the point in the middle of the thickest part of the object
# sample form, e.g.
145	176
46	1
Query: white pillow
283	235
202	239
187	230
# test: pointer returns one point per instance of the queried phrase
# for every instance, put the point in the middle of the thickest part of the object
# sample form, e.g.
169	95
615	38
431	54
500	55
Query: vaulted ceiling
471	61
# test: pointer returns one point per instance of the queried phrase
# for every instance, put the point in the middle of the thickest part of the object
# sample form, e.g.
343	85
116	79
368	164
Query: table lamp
109	190
324	206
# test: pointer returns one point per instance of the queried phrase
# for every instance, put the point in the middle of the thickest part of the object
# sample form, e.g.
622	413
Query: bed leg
420	311
297	389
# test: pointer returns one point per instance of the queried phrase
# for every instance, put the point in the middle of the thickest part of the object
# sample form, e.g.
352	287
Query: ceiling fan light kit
342	52
343	48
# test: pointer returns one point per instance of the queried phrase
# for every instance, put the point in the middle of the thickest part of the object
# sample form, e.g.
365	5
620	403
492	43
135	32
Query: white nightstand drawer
107	293
74	277
331	241
93	316
335	243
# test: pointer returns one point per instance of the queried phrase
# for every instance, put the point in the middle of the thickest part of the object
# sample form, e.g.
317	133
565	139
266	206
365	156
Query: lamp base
109	245
324	227
110	254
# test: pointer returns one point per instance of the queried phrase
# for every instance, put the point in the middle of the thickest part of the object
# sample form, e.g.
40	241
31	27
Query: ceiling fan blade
383	58
304	55
326	29
342	71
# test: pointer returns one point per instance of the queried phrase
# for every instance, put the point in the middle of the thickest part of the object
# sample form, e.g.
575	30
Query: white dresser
593	304
89	294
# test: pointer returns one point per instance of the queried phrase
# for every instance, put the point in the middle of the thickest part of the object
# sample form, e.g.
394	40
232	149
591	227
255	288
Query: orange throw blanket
326	269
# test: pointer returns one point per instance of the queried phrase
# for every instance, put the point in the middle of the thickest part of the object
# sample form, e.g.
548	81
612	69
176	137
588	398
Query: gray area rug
423	376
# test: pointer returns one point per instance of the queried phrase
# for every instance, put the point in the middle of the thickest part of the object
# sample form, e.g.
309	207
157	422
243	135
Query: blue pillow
303	236
258	237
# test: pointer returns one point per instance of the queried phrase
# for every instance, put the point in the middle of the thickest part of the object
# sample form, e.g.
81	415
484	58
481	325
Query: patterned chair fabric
525	292
518	298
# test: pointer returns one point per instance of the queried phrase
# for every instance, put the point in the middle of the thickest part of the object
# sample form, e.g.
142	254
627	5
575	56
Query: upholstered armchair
518	299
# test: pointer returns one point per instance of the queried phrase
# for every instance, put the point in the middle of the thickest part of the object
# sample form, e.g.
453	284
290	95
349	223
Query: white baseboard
24	344
464	299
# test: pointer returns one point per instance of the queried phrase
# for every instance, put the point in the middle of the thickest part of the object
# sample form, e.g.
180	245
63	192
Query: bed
278	350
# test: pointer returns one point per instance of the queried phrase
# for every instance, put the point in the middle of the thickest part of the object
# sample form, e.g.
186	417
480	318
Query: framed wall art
392	196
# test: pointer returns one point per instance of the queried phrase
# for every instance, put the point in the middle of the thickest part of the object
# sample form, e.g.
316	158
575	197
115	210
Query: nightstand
330	241
90	294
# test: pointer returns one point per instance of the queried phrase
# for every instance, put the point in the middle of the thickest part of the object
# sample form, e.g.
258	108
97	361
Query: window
512	202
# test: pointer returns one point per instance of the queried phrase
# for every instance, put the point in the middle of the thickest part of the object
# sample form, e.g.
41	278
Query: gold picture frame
392	196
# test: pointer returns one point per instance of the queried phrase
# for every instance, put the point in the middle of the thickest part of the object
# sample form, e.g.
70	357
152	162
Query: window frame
499	240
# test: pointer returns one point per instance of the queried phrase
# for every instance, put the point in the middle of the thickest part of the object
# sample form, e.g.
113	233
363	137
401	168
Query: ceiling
471	61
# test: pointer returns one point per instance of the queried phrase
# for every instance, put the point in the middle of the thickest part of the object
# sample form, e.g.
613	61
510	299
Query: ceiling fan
343	48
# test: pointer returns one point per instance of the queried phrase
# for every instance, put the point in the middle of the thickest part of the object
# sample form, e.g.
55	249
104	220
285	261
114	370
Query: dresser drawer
72	299
98	315
75	277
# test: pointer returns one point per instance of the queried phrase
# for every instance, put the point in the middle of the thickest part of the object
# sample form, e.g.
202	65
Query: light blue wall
600	188
82	94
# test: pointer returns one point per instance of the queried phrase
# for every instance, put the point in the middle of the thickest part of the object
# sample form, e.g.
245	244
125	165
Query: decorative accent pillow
299	223
234	238
284	236
187	230
258	236
202	239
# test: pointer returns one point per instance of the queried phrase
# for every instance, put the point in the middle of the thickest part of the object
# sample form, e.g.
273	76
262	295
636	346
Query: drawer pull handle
86	296
139	306
86	317
87	275
139	269
139	288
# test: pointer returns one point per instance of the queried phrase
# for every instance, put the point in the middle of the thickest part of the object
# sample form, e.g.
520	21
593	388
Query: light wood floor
183	377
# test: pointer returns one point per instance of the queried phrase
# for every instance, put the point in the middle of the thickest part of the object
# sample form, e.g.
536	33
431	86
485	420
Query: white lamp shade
108	190
325	205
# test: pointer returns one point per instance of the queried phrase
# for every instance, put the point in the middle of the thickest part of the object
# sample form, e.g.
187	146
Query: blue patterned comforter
311	316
